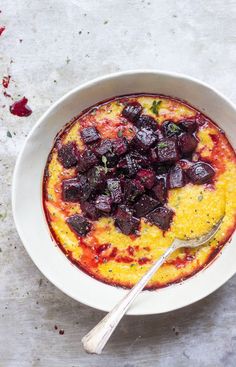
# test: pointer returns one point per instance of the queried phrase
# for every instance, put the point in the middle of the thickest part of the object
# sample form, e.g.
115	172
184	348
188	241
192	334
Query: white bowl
27	192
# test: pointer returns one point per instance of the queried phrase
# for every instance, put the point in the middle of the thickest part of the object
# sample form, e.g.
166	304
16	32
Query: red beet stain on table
6	81
2	29
20	108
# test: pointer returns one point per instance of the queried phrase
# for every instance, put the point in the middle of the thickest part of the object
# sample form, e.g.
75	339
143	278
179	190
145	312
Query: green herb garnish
104	161
120	133
174	128
162	145
9	134
155	107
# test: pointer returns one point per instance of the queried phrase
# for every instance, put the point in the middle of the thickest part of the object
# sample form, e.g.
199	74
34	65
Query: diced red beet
89	135
114	187
147	177
170	129
132	111
67	155
120	146
85	187
145	205
125	221
145	139
167	151
128	165
187	143
103	203
103	148
111	159
86	160
161	217
146	121
153	155
89	210
133	189
189	125
97	178
200	173
140	159
176	177
75	189
79	224
159	189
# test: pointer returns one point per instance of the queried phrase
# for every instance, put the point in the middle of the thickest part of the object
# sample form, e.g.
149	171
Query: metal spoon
97	338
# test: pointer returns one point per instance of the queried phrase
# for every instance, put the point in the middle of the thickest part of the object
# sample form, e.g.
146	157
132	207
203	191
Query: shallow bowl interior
27	192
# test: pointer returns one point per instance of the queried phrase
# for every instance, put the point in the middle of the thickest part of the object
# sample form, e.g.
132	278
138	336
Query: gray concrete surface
64	43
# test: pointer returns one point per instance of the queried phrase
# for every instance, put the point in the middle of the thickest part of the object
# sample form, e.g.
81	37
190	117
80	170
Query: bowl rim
45	115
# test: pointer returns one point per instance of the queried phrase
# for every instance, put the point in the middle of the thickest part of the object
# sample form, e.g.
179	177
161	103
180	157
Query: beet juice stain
2	29
6	81
20	108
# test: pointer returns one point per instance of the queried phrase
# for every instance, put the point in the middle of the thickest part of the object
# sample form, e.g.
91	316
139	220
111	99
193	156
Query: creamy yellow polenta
197	207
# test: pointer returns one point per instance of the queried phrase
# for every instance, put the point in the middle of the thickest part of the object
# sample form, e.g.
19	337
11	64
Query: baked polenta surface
120	259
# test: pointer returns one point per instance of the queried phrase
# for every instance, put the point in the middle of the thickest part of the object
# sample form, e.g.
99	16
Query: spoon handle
97	338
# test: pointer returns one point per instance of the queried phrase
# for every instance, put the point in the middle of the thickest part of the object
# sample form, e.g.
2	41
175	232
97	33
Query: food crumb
175	331
61	332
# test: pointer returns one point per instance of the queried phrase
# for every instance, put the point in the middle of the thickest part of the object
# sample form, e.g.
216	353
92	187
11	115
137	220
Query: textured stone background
64	43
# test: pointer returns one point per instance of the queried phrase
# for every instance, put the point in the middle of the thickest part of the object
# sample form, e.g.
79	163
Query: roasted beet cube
161	217
146	121
140	159
187	143
170	129
120	146
145	139
160	190
89	210
86	160
97	178
85	187
103	203
125	221
111	159
153	155
74	189
132	111
147	177
103	148
145	205
114	187
133	189
89	135
176	177
132	165
79	224
167	150
200	173
67	155
128	165
188	125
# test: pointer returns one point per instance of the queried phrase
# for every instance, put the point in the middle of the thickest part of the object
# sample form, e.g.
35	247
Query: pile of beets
129	180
